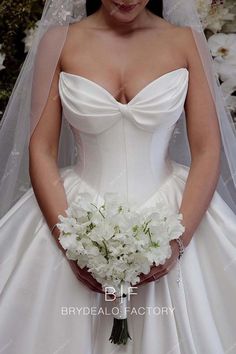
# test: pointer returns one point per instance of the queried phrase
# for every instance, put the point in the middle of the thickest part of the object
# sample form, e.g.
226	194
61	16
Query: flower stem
120	332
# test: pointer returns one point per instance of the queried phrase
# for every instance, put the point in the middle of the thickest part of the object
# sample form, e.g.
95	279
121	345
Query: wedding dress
37	284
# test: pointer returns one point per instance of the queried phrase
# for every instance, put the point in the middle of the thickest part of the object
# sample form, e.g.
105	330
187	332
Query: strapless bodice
122	147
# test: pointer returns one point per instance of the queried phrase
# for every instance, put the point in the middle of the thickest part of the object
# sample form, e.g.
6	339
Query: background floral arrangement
219	22
18	22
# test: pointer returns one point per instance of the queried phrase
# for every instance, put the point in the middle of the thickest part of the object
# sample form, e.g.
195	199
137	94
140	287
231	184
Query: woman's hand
85	277
161	270
81	274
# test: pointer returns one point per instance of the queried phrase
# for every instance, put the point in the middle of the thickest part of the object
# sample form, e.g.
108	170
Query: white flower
223	45
117	241
2	58
68	242
225	69
29	36
223	48
213	18
71	254
228	87
203	8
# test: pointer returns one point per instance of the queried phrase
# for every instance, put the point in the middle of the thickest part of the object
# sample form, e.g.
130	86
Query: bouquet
117	242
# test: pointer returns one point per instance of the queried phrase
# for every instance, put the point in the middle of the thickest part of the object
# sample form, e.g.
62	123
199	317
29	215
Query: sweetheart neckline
135	96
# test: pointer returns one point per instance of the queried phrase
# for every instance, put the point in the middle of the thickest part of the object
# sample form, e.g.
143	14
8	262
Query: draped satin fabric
120	141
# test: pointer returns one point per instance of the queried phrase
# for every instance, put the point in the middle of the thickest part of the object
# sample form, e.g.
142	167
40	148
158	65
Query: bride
122	99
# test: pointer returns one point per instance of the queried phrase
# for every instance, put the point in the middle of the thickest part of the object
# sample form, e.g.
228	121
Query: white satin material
121	142
115	152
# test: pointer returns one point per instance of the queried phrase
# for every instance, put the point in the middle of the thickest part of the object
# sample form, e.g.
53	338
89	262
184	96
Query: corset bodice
124	147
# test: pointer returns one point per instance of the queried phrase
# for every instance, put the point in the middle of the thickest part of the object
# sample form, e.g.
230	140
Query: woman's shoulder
68	34
175	41
184	38
173	34
172	29
180	36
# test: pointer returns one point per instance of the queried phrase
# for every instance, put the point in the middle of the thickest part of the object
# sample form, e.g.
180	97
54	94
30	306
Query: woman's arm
204	140
205	145
44	174
43	151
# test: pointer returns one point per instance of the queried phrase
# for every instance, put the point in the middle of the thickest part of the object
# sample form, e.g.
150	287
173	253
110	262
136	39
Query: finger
86	278
90	286
92	283
165	272
153	272
155	275
156	272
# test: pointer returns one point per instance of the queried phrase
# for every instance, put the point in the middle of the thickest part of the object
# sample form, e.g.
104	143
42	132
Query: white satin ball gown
38	287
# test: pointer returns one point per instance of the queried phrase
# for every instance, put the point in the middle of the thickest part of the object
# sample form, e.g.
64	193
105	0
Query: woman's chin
124	14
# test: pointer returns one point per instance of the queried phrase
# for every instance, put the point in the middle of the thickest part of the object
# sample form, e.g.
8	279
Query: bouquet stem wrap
120	332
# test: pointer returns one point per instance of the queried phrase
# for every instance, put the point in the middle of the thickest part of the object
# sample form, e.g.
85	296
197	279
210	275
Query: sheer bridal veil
31	90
